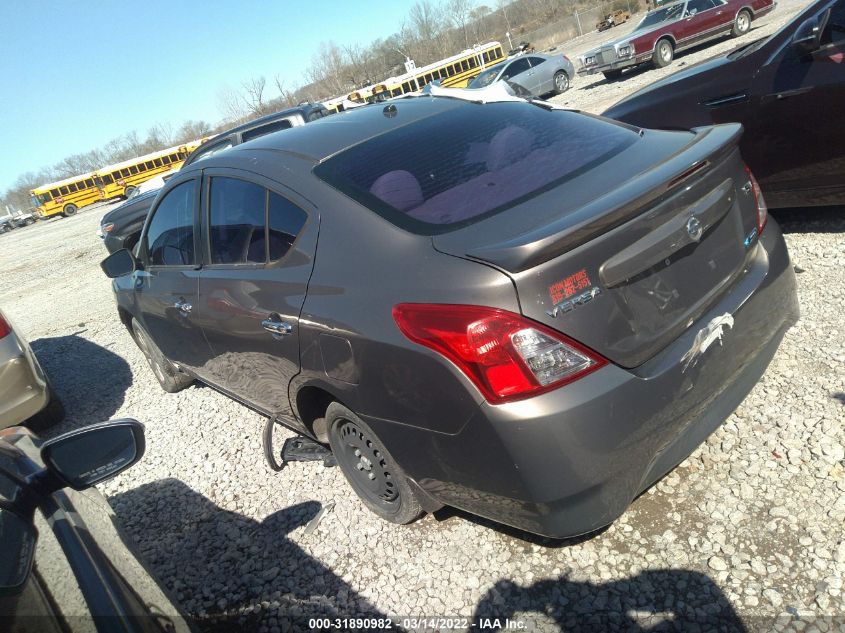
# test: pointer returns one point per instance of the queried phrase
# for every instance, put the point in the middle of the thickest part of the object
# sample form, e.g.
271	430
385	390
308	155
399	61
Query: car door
799	144
166	285
260	240
517	72
699	18
540	76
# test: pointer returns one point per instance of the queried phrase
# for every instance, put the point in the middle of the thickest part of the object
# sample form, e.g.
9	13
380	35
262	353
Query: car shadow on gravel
230	572
90	380
810	219
654	600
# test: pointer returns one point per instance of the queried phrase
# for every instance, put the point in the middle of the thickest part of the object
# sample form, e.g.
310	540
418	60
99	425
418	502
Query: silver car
25	394
538	74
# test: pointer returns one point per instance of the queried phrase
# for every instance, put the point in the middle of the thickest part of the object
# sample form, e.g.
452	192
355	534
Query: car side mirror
119	263
807	36
87	456
18	538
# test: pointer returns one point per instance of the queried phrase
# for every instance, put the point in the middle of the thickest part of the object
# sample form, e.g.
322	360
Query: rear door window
170	238
285	221
237	217
454	168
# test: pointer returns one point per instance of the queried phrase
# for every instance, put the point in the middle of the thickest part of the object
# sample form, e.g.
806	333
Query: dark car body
778	91
121	227
681	25
441	253
83	574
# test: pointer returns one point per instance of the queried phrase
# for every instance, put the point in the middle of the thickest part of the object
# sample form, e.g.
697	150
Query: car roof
328	136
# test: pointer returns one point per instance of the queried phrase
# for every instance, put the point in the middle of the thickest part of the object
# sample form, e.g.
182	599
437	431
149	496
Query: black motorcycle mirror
18	538
118	264
83	458
807	36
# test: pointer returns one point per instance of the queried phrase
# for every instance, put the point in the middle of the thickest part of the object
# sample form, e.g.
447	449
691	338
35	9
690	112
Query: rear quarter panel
365	266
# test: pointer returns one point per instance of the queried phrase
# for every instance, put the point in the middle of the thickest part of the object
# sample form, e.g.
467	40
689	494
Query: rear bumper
571	461
23	386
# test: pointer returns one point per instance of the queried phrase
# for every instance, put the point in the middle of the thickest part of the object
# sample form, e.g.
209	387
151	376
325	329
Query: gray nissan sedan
525	312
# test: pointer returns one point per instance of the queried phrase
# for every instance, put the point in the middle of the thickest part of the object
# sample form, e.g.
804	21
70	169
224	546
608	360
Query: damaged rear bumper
571	461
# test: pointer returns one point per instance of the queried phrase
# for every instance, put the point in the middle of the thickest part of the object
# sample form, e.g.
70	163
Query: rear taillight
5	328
762	209
505	355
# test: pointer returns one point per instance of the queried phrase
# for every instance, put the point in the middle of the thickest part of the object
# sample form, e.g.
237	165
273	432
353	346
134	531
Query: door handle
277	328
184	307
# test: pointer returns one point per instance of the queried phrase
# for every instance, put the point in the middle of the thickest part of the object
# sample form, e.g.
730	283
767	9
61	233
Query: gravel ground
746	533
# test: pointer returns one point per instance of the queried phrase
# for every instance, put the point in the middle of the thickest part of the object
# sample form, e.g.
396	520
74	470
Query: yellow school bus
452	72
121	179
66	196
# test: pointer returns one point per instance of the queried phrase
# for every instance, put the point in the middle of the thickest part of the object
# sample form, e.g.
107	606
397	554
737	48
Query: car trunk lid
628	271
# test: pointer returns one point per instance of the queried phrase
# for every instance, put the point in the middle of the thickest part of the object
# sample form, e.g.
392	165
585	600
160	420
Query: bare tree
229	104
459	12
253	96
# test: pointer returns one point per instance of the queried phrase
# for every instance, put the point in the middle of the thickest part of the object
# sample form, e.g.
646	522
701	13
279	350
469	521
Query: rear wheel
612	75
742	24
170	378
129	191
369	468
69	210
663	54
29	221
561	82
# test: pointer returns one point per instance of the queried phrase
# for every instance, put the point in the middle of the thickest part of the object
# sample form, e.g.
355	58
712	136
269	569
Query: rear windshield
462	165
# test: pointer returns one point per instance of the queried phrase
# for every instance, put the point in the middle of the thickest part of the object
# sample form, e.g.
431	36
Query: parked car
65	565
16	220
776	87
25	393
615	18
538	74
289	118
121	227
487	320
670	29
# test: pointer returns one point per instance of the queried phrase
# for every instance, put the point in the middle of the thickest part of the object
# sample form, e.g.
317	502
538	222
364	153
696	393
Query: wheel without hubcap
69	210
129	191
369	468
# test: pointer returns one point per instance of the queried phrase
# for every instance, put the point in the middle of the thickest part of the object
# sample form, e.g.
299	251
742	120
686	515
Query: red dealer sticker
567	287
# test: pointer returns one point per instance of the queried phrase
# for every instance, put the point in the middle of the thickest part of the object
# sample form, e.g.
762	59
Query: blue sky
77	74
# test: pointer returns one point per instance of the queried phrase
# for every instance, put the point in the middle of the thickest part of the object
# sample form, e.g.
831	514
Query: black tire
130	190
612	75
29	221
663	53
369	468
561	82
742	23
69	210
170	378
